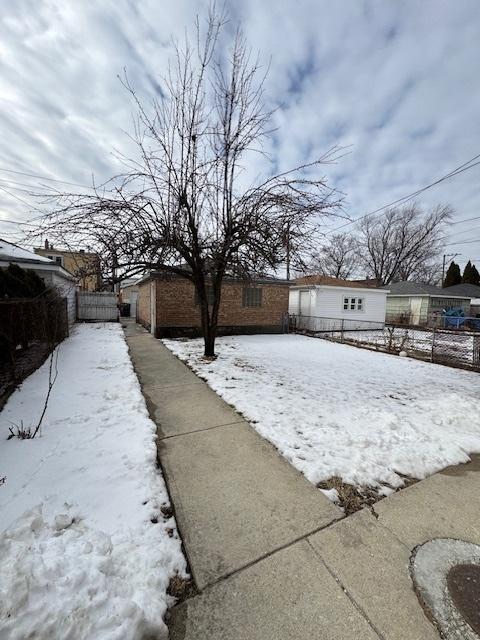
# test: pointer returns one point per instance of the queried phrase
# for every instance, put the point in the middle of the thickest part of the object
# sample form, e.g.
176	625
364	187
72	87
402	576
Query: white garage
320	303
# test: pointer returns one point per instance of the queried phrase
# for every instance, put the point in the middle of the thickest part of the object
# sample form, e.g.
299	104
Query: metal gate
98	306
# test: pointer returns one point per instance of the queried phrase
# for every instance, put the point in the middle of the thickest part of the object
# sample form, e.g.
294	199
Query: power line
11	184
33	175
20	199
465	242
467	220
460	169
452	235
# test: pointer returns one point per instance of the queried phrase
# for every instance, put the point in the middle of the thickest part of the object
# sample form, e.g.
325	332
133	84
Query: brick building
167	305
81	264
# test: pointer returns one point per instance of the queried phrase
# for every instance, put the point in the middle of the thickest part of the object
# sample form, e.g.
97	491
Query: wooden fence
97	306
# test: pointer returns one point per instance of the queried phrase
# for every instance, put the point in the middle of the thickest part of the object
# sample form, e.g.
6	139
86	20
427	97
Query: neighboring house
470	290
52	273
421	304
84	266
168	306
321	303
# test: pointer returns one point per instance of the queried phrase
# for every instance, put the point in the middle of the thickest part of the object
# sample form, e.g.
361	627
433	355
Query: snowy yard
88	544
336	410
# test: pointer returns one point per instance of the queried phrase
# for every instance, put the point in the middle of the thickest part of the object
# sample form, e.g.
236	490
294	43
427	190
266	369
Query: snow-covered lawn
85	550
336	410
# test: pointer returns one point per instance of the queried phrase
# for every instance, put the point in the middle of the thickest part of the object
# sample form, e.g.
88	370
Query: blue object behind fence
455	317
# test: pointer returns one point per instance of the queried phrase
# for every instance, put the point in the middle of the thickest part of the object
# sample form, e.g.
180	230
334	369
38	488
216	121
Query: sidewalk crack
357	606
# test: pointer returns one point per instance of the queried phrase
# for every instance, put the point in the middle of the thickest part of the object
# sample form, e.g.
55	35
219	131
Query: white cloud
396	81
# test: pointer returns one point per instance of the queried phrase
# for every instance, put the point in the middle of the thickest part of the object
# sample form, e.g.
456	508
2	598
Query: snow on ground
336	410
79	554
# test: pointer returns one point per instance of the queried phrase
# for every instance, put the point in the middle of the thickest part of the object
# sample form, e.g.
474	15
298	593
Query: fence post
341	330
476	351
432	356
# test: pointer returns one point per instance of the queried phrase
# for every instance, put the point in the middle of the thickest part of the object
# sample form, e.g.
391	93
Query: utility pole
445	256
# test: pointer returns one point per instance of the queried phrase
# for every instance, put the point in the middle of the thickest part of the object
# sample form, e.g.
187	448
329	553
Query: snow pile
335	410
86	551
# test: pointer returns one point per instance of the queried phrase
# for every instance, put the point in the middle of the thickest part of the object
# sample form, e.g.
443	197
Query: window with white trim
57	259
352	303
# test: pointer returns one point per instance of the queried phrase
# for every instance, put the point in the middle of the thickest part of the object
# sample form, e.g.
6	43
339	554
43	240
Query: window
352	304
446	303
209	290
57	259
252	296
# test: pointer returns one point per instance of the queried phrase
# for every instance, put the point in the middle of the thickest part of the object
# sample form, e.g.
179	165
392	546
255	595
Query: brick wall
178	314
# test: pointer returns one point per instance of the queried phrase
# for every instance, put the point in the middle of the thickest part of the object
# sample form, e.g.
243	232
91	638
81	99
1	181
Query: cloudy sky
397	83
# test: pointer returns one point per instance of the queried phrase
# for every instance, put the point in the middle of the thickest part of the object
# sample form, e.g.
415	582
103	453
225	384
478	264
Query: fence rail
457	348
318	324
433	320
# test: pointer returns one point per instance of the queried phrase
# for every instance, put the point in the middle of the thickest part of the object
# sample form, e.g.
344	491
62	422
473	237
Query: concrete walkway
268	555
236	499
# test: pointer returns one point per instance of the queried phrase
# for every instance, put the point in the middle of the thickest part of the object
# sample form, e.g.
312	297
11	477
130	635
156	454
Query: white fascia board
40	266
328	286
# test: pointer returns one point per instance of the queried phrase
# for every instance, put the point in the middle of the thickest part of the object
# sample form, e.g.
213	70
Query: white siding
67	289
293	302
330	304
326	307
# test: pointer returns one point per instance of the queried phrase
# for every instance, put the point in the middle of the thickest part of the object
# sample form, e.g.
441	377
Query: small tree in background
475	276
453	275
338	258
470	274
467	272
403	243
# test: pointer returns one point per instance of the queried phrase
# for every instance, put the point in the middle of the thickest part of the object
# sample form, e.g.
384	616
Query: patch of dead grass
352	498
180	588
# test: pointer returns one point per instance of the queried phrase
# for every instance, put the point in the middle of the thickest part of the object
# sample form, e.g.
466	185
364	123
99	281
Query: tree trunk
209	324
210	329
209	315
209	336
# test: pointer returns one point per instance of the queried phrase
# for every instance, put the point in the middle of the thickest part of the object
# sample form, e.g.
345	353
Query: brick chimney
47	245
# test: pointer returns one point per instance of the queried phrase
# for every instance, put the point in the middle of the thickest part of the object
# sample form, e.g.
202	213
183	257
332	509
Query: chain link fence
456	348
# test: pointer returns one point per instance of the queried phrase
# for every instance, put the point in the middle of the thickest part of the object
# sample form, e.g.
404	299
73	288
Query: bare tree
403	243
428	272
184	205
338	259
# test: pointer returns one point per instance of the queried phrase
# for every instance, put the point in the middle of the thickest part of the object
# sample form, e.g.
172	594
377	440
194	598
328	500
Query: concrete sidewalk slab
373	566
155	365
445	505
236	500
174	416
287	596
